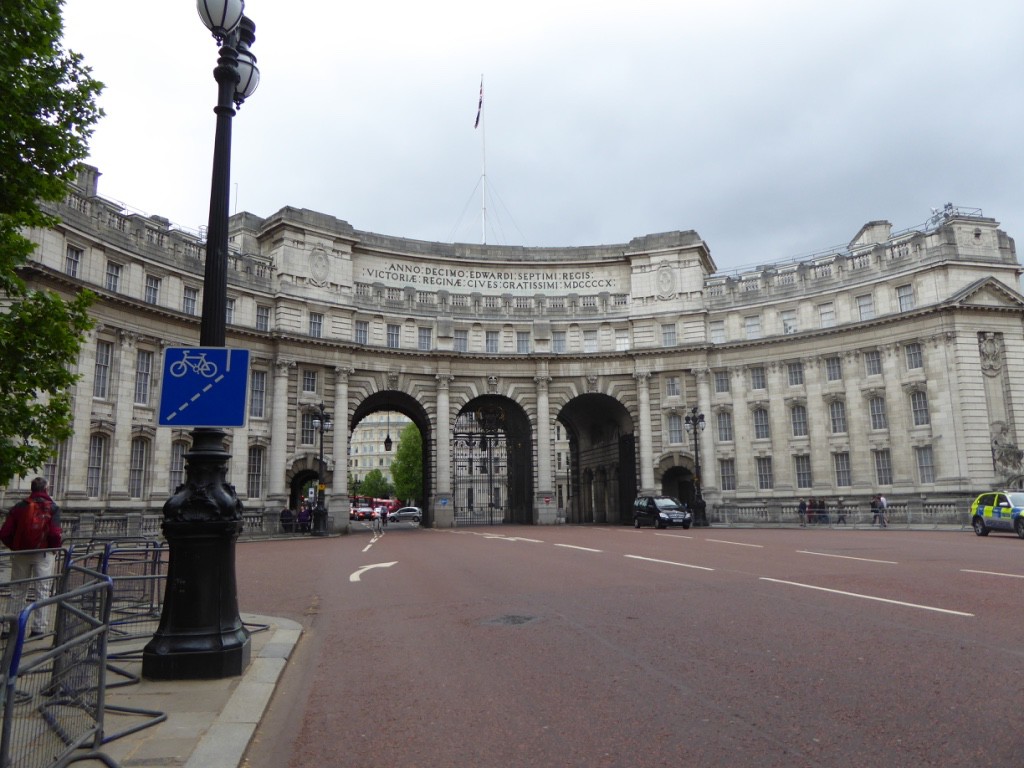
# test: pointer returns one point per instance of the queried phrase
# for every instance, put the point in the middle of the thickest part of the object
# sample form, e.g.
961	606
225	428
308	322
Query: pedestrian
883	505
874	509
378	526
303	518
287	520
32	527
801	508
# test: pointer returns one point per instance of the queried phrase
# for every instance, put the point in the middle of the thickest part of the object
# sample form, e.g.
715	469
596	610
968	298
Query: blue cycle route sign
204	387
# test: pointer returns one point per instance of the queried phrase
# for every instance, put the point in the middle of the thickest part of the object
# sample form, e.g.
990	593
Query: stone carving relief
990	347
319	267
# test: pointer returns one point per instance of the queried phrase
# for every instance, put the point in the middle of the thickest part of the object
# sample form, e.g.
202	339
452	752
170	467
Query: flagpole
483	165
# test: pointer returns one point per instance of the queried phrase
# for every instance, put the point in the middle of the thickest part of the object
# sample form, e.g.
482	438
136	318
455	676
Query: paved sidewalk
209	722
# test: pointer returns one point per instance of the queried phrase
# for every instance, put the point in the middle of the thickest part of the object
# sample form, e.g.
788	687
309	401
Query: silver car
406	513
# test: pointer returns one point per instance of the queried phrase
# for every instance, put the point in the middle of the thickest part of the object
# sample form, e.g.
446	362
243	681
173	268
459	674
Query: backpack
34	526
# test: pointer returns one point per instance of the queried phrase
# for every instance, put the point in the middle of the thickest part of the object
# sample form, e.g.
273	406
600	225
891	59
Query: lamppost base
175	661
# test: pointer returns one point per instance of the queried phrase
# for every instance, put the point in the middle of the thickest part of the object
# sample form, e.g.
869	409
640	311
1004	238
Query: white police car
998	511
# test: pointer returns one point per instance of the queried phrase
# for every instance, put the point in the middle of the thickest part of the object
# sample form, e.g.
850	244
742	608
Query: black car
661	512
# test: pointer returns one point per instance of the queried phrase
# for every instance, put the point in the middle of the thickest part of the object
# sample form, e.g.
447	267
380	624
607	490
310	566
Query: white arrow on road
355	576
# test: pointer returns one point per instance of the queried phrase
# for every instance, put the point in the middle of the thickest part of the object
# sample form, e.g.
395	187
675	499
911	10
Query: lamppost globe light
220	16
248	72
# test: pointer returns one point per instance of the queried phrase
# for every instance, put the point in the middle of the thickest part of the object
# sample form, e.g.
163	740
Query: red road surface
607	646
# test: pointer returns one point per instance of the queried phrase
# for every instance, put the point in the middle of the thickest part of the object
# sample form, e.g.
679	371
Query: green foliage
47	114
375	485
407	468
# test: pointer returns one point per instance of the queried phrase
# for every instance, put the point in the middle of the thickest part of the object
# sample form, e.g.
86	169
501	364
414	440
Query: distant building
553	382
366	446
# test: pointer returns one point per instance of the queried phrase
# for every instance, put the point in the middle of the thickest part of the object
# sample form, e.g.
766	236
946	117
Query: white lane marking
674	535
993	573
868	597
845	557
355	576
573	546
737	543
669	562
520	538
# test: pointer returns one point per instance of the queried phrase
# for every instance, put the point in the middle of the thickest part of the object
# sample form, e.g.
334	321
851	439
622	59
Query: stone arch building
562	375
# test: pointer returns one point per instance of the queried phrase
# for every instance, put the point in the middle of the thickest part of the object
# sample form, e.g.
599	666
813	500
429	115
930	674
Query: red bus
366	501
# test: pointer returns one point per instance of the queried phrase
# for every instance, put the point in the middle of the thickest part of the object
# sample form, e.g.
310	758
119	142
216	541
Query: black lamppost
695	424
201	635
321	423
387	438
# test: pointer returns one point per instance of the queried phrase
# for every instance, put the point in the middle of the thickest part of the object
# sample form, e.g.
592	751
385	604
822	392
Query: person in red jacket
31	540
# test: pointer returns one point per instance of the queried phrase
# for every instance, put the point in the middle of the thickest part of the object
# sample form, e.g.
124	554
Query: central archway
491	454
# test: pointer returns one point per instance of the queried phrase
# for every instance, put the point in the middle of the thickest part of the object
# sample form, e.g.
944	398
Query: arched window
798	417
139	468
96	471
177	474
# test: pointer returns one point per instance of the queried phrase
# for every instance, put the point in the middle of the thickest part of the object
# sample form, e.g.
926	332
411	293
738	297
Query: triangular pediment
988	292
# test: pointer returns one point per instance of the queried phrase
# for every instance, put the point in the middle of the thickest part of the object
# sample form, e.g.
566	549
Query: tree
407	467
375	485
47	113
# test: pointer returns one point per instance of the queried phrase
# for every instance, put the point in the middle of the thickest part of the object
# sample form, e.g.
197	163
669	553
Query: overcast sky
773	129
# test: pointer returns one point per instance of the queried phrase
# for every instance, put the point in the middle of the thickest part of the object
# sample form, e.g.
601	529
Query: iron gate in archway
491	468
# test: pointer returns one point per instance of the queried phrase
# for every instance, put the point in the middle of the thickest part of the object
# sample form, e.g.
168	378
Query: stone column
78	444
643	393
339	449
544	502
443	504
708	462
279	432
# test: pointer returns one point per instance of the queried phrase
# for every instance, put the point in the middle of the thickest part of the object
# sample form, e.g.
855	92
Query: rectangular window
866	306
727	474
394	335
621	340
841	464
101	375
523	342
362	332
802	465
590	341
113	279
876	407
152	289
762	429
672	386
919	407
308	433
229	312
96	467
834	368
177	468
837	415
883	467
873	363
254	486
309	381
189	300
925	464
668	335
143	375
905	297
724	427
424	338
915	357
72	260
758	380
262	318
137	468
827	315
675	428
558	342
765	479
721	381
788	321
491	340
752	326
257	394
796	374
716	329
798	419
461	342
316	325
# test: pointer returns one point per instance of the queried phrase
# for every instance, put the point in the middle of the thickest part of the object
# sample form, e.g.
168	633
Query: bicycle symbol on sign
197	362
